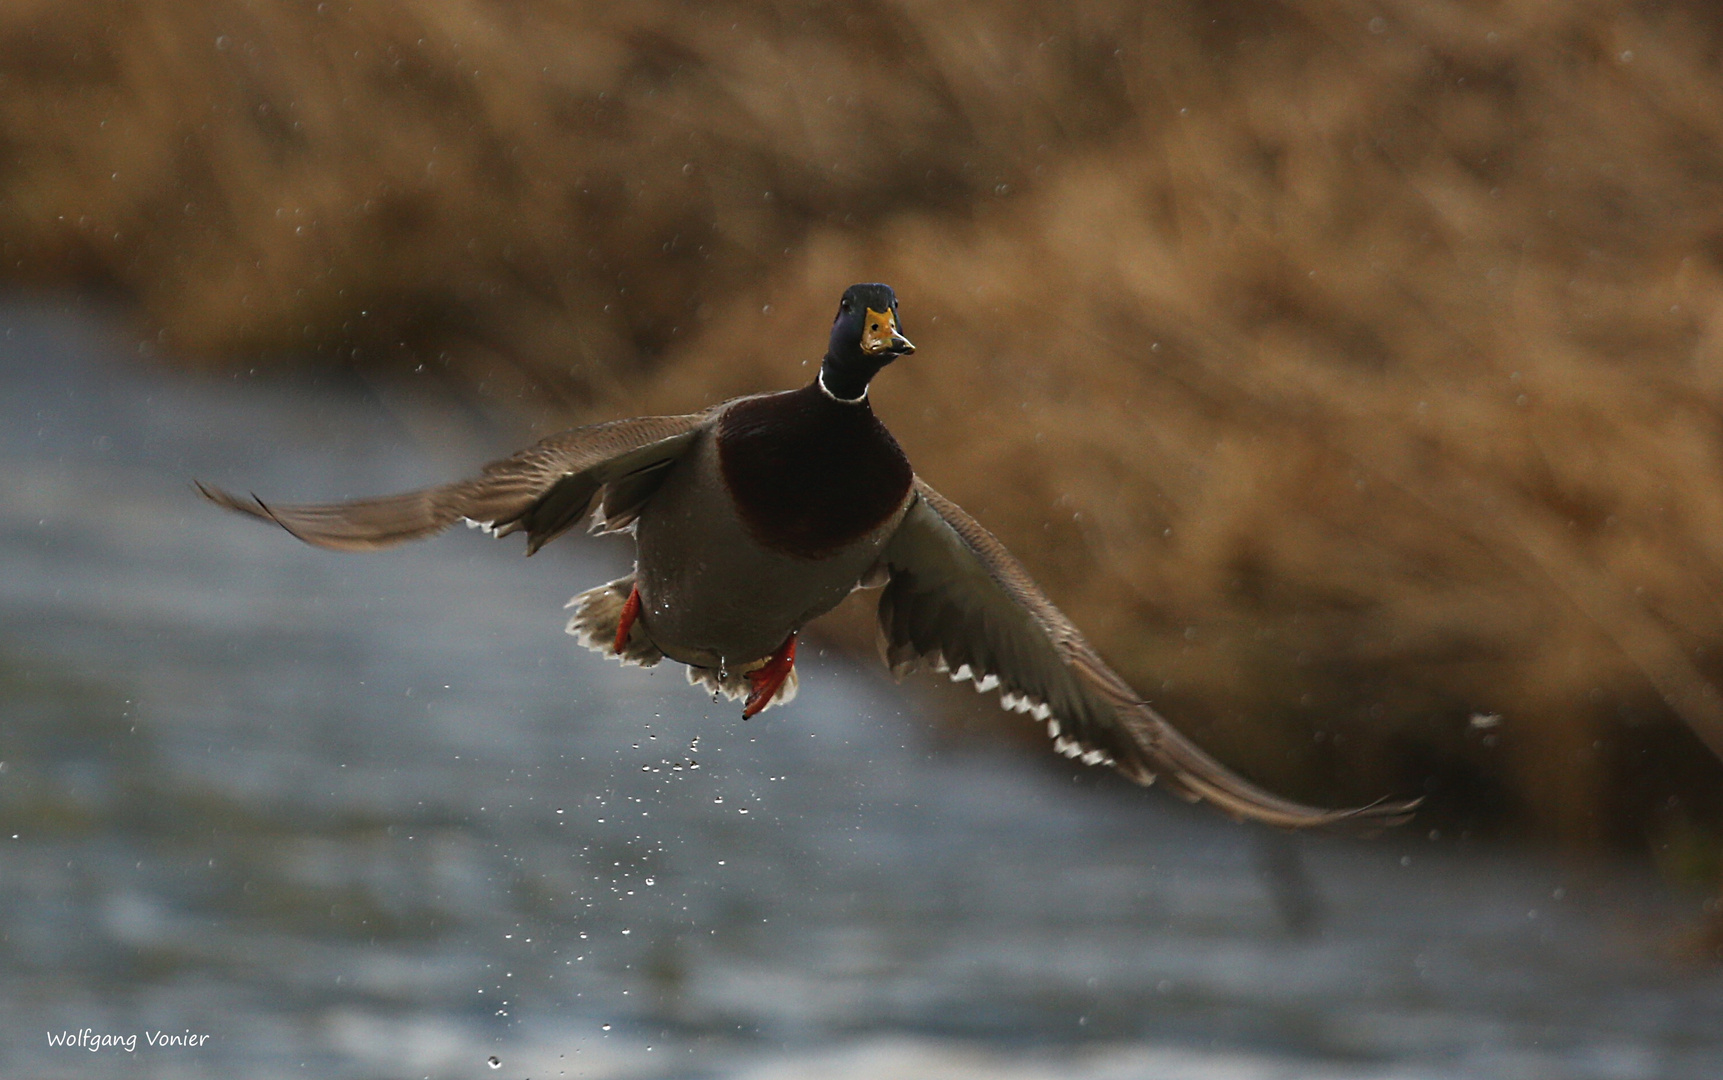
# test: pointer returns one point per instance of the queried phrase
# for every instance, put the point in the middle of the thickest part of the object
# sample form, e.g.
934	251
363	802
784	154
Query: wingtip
1372	818
1246	803
251	506
1390	812
227	499
212	493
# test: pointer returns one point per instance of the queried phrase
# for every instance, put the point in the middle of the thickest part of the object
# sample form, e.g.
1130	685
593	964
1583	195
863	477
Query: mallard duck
757	515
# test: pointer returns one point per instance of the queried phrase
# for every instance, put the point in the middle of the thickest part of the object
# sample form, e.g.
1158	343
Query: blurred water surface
357	816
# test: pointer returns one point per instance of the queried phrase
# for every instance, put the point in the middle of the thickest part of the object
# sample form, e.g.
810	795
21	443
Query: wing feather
542	491
958	601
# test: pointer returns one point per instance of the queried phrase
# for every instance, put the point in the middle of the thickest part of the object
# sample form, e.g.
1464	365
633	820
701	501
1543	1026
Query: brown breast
809	474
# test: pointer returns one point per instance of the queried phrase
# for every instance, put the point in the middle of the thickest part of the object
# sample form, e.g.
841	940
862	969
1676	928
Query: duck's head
865	338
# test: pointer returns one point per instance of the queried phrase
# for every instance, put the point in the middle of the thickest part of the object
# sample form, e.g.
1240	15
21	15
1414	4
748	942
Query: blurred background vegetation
1350	370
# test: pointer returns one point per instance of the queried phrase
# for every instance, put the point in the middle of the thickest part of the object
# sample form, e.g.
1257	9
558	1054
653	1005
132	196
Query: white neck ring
846	400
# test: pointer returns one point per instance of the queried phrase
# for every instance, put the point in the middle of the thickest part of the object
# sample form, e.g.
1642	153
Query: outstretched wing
542	491
958	602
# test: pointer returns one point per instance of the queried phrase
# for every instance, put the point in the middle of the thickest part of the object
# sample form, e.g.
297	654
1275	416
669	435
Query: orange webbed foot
768	678
625	624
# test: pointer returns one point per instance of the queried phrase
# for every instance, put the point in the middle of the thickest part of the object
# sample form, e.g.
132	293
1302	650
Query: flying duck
759	514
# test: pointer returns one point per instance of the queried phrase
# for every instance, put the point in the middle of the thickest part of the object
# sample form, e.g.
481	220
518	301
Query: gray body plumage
713	597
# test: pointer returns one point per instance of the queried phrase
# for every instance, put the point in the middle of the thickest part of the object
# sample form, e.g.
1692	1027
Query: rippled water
355	816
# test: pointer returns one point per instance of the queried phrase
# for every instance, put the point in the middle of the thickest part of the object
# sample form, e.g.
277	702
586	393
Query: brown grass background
1349	369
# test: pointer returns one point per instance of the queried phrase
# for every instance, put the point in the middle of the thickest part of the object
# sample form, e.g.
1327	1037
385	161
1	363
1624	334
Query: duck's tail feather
598	613
734	683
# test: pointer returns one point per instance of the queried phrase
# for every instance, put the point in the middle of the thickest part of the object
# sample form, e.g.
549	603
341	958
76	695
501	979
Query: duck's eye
876	328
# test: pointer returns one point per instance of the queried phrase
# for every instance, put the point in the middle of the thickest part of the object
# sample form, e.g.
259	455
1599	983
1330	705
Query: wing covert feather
543	490
958	601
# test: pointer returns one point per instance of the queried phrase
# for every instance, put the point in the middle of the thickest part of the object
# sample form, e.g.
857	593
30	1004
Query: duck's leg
768	678
630	612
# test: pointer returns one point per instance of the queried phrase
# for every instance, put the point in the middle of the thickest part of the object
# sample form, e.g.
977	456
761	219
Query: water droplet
653	881
494	1062
604	1027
